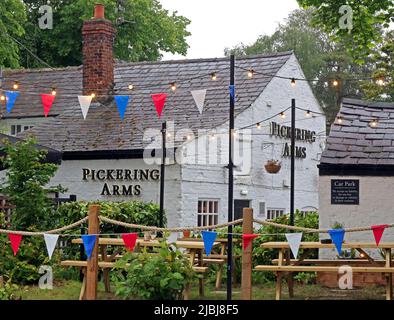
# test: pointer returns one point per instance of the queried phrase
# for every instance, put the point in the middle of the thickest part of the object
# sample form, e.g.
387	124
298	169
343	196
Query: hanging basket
273	166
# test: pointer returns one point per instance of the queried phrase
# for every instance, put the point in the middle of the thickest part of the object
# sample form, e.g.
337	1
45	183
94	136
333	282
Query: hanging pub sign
284	132
346	192
121	182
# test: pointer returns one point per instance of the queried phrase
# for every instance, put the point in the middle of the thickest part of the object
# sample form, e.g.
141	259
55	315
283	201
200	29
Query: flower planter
186	234
272	167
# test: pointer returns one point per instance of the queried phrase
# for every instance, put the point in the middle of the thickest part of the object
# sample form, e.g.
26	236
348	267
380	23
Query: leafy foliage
144	29
7	291
12	19
382	63
162	276
136	212
369	18
26	178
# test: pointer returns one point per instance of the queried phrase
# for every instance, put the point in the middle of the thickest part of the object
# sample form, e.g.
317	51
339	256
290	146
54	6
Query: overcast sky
217	24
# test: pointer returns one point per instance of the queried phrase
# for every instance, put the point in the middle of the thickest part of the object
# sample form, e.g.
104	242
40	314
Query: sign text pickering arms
123	175
300	135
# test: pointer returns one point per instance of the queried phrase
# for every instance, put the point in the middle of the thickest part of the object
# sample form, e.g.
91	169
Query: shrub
153	277
7	291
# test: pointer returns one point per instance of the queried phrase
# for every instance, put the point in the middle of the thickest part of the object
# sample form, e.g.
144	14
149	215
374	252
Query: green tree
12	18
369	17
321	58
382	64
144	30
26	177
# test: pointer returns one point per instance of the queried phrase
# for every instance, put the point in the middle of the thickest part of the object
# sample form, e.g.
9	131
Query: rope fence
180	229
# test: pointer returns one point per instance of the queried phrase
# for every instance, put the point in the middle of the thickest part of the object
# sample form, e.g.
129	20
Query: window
17	128
273	213
207	212
307	210
261	209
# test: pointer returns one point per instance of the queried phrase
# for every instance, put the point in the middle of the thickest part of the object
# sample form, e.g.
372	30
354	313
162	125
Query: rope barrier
149	228
181	229
310	230
40	233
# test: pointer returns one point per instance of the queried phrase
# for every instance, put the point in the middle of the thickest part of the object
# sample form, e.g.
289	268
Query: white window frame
273	213
210	217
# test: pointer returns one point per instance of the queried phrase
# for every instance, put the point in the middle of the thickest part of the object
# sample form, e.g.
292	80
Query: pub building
356	185
107	158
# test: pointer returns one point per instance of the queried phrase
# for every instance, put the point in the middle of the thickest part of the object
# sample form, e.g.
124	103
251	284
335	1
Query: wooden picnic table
195	250
287	265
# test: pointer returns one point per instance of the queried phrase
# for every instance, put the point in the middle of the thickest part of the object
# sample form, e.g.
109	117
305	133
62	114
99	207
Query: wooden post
92	268
247	228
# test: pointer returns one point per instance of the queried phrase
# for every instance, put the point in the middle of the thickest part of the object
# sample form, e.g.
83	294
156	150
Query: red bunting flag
378	232
15	240
159	100
130	240
247	239
47	102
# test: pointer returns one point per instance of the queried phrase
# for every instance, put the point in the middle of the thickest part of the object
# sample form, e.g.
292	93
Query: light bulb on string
373	123
282	115
293	82
380	82
54	91
250	73
335	83
189	137
93	95
16	85
214	76
339	120
2	97
131	87
173	86
258	125
308	114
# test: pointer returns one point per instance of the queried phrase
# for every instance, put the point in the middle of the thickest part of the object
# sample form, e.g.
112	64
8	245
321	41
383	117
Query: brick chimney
98	36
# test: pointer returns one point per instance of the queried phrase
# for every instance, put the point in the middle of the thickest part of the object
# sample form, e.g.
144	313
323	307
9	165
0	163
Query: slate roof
103	130
52	155
355	142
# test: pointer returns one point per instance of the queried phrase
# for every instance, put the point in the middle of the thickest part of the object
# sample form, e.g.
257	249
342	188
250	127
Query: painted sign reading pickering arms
300	135
124	175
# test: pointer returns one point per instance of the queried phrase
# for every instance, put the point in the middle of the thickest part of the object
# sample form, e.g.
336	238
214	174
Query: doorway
239	206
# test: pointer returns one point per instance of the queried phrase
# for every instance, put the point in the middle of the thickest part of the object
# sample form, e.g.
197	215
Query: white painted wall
375	208
70	176
210	181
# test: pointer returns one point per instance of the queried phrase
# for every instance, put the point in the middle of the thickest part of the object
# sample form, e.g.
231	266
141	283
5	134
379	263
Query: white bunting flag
51	241
199	98
294	240
173	237
84	102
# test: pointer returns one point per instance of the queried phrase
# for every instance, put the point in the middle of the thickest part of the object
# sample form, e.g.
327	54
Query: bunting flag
130	239
121	104
247	239
47	102
232	91
294	240
209	238
10	97
84	102
15	240
337	236
89	241
51	241
378	232
159	100
199	98
172	238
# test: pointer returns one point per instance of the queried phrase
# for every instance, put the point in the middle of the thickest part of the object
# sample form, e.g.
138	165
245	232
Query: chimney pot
99	11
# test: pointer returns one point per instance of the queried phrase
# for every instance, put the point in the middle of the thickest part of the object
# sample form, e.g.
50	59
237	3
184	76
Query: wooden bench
322	268
331	262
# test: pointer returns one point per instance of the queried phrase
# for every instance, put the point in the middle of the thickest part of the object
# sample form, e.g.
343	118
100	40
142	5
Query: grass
69	290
